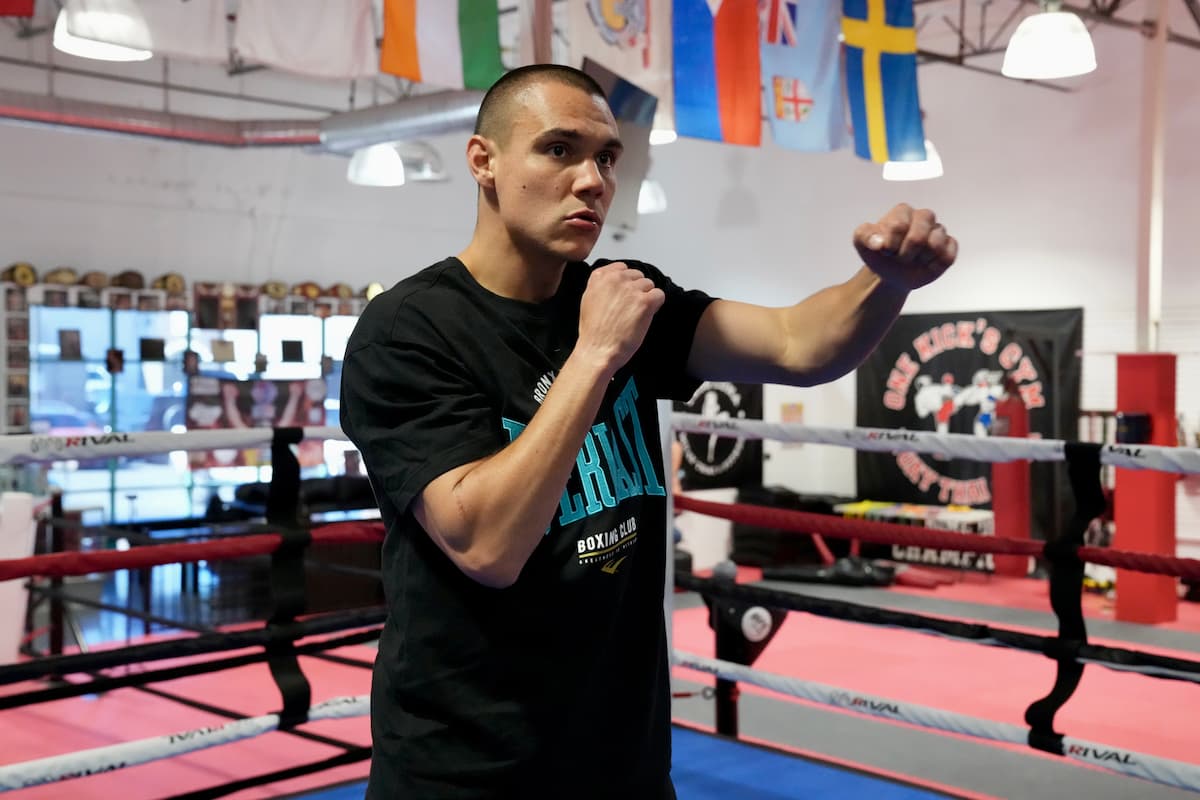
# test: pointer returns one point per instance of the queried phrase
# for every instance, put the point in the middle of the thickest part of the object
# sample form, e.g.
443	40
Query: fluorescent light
377	165
1052	44
651	198
93	48
931	167
663	136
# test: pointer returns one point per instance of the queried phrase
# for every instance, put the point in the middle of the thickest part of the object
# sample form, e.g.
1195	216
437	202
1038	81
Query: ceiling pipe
413	117
342	133
67	114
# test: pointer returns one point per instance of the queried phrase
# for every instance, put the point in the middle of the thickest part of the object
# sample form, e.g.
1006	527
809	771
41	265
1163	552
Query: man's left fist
907	248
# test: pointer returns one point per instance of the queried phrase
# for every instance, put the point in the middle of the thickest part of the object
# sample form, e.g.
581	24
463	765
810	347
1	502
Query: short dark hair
495	115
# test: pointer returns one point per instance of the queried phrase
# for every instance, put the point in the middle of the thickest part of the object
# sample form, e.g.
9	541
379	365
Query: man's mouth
585	216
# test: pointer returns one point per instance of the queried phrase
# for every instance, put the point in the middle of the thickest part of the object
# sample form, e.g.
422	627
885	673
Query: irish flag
451	43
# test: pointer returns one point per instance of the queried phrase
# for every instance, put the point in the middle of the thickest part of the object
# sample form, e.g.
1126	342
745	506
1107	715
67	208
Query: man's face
556	174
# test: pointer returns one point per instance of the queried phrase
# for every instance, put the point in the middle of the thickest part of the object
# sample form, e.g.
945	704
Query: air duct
344	132
70	114
413	117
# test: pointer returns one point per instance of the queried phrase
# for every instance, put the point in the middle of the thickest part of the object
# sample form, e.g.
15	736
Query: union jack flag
778	19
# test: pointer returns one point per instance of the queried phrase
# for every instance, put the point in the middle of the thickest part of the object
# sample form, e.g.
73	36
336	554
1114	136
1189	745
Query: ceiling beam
954	61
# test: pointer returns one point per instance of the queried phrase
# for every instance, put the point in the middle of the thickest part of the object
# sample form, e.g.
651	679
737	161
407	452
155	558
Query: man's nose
588	180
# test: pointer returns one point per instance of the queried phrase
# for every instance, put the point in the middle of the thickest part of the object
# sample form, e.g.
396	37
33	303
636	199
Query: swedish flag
881	79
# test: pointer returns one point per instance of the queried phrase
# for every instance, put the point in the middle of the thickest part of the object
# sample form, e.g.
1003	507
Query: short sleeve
414	413
668	343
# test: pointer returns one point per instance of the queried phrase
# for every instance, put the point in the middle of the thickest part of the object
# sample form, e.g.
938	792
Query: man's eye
606	159
558	150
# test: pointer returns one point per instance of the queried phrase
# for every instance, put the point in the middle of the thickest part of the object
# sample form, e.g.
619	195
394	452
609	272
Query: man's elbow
812	375
493	570
484	555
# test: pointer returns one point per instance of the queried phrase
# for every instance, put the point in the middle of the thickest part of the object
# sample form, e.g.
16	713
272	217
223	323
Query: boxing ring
289	635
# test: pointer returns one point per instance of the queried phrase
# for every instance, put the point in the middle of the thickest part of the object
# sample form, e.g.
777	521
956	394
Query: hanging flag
194	30
630	38
802	75
881	79
716	70
16	8
450	43
321	38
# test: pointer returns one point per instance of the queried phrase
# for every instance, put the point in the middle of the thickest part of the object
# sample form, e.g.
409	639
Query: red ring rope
894	533
63	564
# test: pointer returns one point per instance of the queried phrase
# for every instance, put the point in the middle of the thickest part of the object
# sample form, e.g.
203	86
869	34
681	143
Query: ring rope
190	646
299	771
955	445
127	754
870	531
1128	762
141	557
20	449
106	683
28	449
876	532
1120	659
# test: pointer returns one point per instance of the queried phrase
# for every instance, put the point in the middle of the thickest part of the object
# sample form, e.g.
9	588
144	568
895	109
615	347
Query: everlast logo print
613	465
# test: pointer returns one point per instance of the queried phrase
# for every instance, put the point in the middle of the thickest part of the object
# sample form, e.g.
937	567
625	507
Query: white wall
1041	188
111	203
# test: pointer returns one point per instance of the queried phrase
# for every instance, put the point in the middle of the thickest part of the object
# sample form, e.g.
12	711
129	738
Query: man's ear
480	153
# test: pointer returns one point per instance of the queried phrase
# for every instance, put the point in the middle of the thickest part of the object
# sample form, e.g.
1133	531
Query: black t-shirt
558	684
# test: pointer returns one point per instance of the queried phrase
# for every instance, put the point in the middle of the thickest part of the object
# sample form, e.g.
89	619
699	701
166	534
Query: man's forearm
504	505
830	333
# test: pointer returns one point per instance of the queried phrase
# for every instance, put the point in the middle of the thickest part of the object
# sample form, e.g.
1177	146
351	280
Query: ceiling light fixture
651	198
97	26
376	165
1050	44
663	136
931	167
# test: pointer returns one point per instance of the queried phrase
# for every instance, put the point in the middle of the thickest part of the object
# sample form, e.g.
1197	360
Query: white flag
191	29
321	38
632	39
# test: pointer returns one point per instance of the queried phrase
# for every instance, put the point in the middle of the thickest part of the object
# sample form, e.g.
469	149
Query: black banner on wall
713	462
944	373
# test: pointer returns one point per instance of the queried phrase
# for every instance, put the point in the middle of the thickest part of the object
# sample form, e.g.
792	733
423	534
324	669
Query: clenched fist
907	248
615	314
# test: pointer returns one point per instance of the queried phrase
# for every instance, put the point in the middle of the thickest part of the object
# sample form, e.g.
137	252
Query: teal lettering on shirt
626	482
595	481
612	465
626	408
513	427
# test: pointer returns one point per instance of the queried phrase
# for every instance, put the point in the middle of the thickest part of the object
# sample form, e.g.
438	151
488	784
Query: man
504	404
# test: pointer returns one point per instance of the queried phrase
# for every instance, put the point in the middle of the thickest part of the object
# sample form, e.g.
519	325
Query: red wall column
1144	500
1010	486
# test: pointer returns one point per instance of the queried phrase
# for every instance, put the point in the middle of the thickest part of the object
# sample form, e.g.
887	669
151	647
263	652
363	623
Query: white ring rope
955	445
127	754
1152	768
24	449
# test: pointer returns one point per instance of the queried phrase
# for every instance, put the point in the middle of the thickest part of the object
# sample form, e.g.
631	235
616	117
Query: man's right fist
615	314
